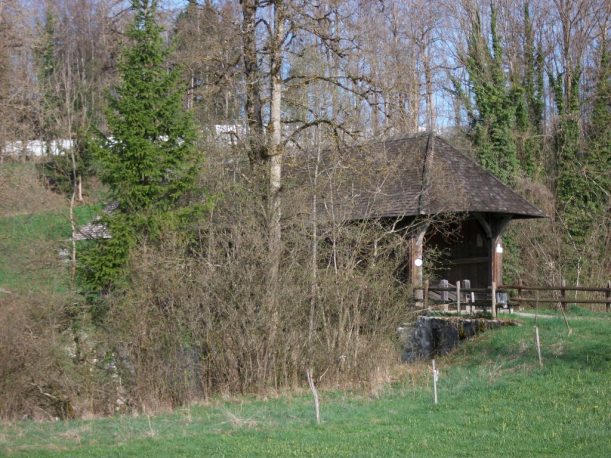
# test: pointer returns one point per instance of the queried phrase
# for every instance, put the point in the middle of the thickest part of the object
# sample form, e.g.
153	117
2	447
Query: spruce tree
148	160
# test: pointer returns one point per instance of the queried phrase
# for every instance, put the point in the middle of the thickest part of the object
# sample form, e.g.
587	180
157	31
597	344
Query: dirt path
569	317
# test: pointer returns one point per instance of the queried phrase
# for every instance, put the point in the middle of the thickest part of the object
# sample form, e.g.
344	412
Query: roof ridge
401	137
426	181
379	141
397	138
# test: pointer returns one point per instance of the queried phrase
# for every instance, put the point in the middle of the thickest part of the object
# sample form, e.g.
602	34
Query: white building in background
36	148
230	134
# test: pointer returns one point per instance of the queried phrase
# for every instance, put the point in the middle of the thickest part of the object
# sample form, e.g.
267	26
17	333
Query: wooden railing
460	296
562	290
446	293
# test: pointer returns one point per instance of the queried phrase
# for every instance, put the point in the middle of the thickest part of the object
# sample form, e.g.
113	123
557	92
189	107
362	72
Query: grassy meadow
31	244
494	400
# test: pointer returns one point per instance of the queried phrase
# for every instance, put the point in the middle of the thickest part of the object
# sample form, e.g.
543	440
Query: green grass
30	247
494	401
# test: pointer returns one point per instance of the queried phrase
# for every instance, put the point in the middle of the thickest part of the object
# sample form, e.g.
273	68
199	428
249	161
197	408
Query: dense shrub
41	376
193	322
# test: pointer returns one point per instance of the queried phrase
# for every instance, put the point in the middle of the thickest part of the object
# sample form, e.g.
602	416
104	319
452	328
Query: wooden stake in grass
566	321
538	346
315	394
435	378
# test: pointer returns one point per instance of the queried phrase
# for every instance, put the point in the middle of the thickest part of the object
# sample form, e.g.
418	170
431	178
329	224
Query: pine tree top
151	160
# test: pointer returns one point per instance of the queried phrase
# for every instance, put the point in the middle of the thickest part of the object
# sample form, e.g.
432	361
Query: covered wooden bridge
451	205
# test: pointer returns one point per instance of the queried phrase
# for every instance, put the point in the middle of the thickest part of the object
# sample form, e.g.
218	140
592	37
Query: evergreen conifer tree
492	133
149	160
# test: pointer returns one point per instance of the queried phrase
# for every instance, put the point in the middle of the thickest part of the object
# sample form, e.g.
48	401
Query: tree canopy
148	157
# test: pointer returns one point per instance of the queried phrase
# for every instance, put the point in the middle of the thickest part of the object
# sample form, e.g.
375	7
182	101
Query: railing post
418	296
444	294
466	284
520	283
425	293
458	296
608	297
493	299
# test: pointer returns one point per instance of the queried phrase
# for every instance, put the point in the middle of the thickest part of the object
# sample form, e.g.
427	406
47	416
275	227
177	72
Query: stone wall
432	336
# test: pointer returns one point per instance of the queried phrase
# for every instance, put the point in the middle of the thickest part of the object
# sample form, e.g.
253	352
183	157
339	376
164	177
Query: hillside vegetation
493	400
216	134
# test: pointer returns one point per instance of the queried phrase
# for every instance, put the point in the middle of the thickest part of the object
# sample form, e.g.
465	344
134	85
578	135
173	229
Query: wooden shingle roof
410	176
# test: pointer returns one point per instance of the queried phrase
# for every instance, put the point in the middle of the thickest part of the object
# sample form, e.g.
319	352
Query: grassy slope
494	400
30	245
22	191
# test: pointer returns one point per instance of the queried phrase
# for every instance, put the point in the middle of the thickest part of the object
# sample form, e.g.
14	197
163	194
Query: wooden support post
493	299
418	295
458	296
469	308
444	294
520	283
493	227
416	262
608	297
425	293
496	260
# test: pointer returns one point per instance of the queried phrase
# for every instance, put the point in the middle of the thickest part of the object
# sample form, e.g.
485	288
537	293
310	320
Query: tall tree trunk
314	273
430	103
72	219
275	153
251	71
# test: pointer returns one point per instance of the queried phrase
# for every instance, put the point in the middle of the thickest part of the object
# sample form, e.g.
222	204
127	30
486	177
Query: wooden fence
562	296
446	293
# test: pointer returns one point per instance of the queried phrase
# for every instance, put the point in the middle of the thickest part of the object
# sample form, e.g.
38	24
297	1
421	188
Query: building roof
96	229
409	176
